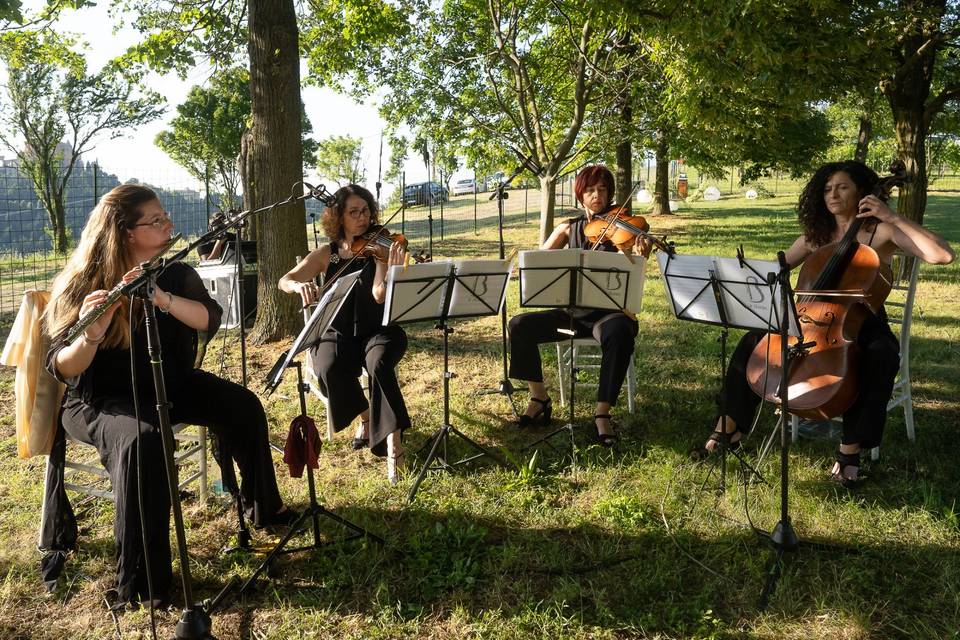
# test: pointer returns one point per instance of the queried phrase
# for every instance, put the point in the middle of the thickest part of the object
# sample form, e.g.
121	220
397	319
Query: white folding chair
899	306
586	355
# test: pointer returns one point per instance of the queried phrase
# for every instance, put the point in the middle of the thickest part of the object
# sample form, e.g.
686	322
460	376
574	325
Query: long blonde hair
100	260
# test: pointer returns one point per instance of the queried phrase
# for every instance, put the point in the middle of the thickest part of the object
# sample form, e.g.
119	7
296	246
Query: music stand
572	279
730	293
769	307
441	291
320	320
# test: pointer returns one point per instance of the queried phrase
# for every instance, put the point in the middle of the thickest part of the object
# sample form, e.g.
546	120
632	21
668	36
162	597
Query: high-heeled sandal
362	443
542	416
845	460
606	439
702	453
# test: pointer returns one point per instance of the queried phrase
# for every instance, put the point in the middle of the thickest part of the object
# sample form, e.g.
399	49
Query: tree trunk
907	93
911	149
661	192
863	138
624	175
548	200
275	160
61	242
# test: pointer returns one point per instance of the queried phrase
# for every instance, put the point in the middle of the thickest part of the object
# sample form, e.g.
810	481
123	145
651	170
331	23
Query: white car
460	187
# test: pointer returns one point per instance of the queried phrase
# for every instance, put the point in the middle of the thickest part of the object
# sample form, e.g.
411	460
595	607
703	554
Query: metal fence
27	260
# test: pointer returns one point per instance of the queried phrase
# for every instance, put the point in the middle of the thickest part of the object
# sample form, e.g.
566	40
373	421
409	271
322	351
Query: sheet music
415	292
324	312
610	281
543	282
480	287
687	280
749	301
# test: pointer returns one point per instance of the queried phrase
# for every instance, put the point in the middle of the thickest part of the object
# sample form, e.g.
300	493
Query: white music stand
440	291
577	279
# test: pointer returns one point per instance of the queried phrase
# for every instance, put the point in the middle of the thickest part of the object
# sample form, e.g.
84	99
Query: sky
135	156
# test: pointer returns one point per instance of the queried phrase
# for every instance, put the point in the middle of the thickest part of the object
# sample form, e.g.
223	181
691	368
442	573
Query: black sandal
362	443
542	416
702	453
845	460
606	439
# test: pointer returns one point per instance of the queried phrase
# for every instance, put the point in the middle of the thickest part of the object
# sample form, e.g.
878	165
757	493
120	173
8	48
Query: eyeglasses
356	214
156	224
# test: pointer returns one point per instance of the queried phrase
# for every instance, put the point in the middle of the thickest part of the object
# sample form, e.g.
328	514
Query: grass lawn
627	545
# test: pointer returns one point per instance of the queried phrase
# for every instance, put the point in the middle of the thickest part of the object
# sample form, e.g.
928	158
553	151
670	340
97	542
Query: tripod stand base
193	623
506	389
437	461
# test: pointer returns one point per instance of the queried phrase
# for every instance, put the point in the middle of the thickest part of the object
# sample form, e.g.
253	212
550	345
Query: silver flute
113	295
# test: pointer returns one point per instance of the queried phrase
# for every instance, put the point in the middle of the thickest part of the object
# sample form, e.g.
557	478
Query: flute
113	295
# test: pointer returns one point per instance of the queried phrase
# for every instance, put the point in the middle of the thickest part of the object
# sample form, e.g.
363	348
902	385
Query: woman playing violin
615	331
357	336
838	194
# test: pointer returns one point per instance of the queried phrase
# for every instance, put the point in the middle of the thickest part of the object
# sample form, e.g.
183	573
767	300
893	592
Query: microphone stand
194	622
506	387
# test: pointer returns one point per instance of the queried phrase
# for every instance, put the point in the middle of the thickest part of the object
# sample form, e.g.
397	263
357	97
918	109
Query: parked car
425	193
492	181
461	187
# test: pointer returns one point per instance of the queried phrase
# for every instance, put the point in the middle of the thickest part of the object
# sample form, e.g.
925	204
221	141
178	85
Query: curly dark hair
817	221
591	175
332	219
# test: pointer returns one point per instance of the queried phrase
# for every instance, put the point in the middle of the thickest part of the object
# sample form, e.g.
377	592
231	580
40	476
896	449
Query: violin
376	243
618	227
839	286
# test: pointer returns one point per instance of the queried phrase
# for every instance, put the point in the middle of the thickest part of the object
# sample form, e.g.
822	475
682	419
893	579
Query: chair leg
908	414
202	435
562	354
631	385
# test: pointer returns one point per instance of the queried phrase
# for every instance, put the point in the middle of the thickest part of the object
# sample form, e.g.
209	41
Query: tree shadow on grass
617	569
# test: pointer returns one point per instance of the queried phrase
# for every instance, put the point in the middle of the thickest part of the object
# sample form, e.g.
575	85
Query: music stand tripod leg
312	512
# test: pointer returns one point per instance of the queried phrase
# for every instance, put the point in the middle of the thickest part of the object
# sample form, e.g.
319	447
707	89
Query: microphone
322	194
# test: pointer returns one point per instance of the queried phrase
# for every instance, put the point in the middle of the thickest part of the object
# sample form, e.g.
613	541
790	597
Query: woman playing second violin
357	335
837	195
615	331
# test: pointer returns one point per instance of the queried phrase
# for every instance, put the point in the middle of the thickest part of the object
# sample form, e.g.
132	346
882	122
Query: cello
839	286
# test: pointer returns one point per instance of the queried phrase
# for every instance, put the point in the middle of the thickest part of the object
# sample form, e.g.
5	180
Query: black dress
358	338
98	409
615	331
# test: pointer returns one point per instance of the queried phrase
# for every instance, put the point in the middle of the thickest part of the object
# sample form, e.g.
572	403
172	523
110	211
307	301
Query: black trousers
232	412
864	421
338	359
615	332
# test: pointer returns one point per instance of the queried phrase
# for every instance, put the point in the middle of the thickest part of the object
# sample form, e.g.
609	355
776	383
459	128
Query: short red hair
589	176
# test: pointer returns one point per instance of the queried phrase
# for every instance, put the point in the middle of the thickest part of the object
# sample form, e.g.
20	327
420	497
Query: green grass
627	545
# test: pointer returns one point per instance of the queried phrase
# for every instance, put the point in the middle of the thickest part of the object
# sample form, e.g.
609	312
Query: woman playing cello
357	336
615	331
836	196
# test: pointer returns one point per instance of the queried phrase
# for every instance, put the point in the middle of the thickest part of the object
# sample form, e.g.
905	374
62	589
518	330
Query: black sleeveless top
360	314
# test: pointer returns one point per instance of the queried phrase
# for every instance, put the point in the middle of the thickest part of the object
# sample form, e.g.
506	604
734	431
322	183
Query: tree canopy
56	110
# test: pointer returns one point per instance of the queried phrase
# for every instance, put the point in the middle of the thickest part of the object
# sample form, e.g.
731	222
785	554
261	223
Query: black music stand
321	319
573	279
744	296
441	291
730	293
